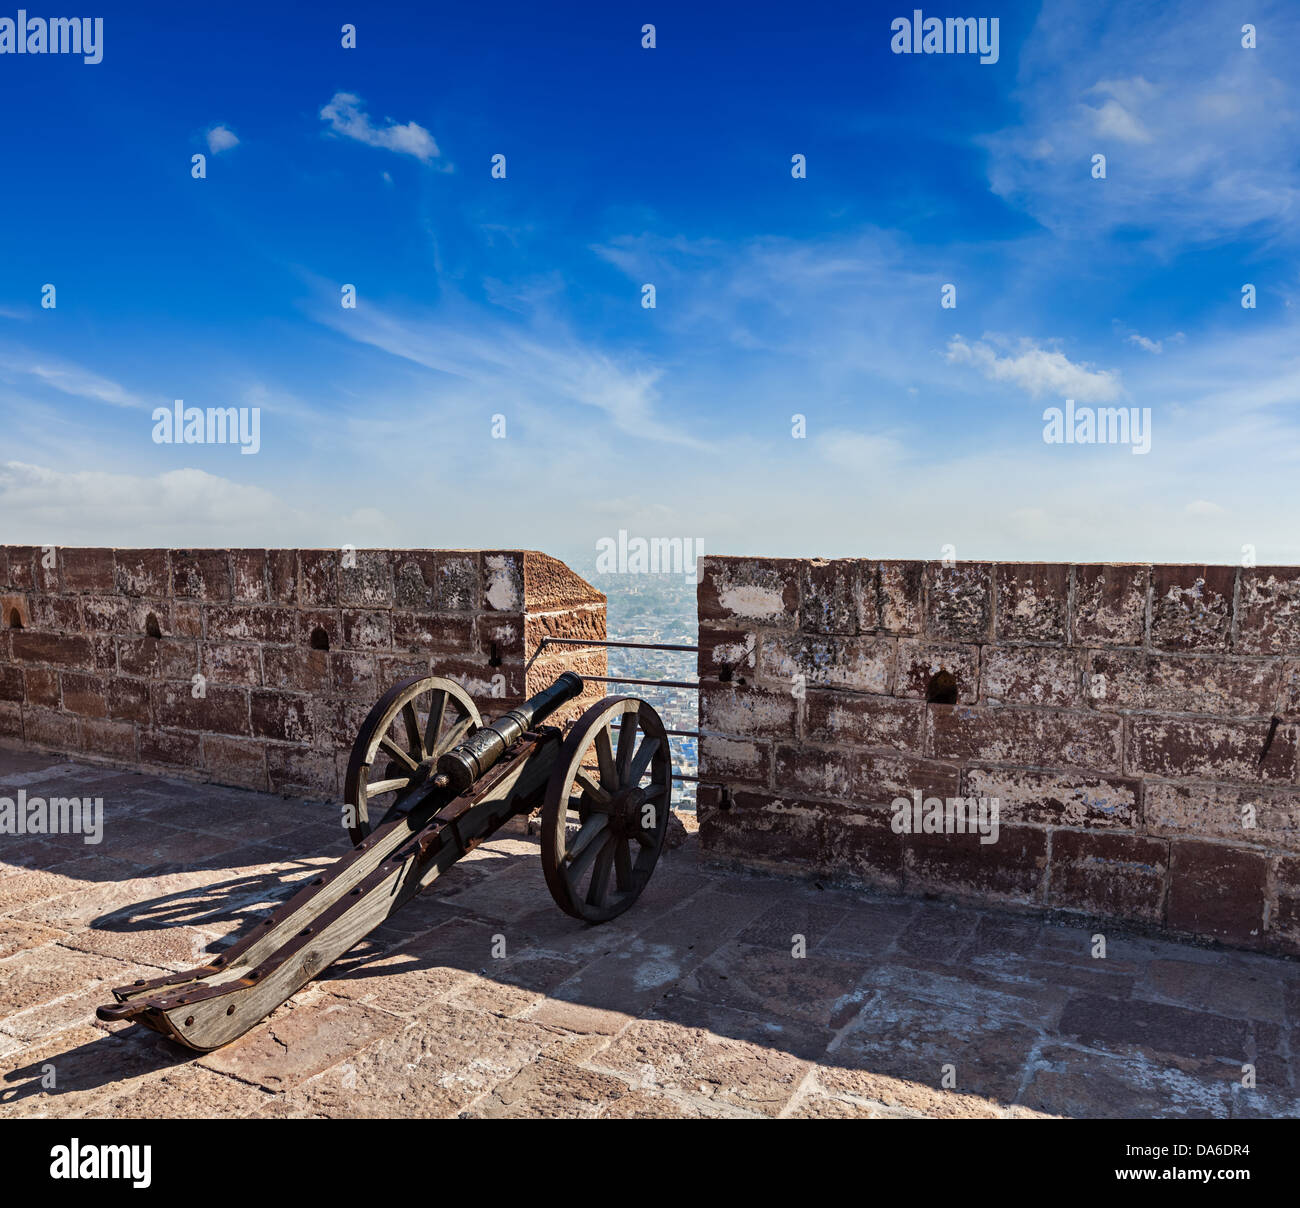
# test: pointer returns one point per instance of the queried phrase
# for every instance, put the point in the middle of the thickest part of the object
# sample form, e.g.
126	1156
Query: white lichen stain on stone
751	600
725	753
502	591
731	653
748	712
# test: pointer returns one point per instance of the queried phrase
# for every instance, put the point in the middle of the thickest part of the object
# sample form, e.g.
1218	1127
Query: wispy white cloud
183	506
220	138
1037	370
543	366
346	117
68	379
1199	134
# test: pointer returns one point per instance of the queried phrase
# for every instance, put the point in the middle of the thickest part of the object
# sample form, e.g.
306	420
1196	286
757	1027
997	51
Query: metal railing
688	685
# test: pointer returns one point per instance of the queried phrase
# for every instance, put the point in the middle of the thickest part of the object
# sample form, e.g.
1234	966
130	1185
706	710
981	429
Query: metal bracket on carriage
428	782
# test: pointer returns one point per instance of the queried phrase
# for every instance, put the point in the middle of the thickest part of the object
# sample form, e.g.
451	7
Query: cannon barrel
467	761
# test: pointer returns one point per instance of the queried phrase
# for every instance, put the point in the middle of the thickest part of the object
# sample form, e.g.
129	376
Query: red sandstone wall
1118	712
80	672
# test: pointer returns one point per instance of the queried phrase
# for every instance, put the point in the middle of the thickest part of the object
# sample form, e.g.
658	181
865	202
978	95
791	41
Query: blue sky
672	166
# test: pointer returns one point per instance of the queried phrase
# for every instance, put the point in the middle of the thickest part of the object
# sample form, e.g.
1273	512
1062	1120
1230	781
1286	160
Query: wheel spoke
591	788
575	869
414	742
605	757
623	865
599	888
397	753
433	727
386	786
626	747
454	735
642	760
586	833
652	791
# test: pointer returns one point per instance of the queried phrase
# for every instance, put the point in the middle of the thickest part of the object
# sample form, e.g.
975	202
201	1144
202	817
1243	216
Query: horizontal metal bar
679	776
626	679
627	645
682	733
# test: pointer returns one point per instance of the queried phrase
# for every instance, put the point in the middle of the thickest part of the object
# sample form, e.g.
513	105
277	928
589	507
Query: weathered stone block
837	596
864	846
232	662
739	761
201	574
52	649
1122	876
165	658
248	575
222	708
235	761
919	662
1192	607
1110	602
1245	816
111	739
367	629
862	664
1056	798
87	570
368	582
415	575
1123	679
503	582
753	591
1010	870
959	601
900	586
1007	734
84	694
46	728
282	576
1218	892
433	632
142	572
457	587
746	712
864	721
1211	749
282	716
1030	675
761	828
251	623
1032	601
318	578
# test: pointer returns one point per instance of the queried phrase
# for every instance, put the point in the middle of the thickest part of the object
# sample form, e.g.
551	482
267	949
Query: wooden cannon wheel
410	726
606	809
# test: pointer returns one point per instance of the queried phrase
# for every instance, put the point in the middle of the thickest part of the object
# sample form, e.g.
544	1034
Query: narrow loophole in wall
151	626
15	619
320	640
942	688
495	660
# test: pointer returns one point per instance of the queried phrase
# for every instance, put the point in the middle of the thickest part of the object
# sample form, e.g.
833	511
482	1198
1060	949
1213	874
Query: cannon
426	783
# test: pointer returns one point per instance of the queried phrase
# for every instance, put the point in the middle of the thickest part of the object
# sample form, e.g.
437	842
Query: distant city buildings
658	608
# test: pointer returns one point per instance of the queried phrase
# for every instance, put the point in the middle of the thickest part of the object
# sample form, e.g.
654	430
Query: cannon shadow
717	988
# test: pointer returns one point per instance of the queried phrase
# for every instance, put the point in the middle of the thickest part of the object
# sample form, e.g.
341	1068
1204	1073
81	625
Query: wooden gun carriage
426	783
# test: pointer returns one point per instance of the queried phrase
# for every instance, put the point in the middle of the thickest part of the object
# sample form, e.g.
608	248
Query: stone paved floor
691	1004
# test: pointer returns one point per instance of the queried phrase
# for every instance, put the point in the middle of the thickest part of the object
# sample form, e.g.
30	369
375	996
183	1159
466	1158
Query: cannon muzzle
466	762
